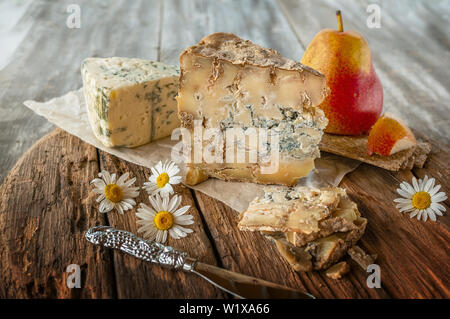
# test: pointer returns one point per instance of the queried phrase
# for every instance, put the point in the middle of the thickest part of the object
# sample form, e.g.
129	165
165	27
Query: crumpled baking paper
69	112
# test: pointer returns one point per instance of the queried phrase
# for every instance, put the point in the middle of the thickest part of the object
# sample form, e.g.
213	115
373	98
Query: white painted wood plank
47	62
186	22
410	52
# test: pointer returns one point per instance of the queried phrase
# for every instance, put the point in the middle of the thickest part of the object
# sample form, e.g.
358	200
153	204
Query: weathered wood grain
32	265
47	62
136	279
258	20
45	208
41	224
413	255
252	254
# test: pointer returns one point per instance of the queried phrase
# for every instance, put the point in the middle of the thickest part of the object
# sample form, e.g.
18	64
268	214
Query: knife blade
239	285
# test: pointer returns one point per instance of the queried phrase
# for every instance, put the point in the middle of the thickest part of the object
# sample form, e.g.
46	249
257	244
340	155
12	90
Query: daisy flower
162	178
164	217
421	199
115	194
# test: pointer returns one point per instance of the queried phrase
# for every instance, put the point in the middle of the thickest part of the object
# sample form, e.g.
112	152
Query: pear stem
340	23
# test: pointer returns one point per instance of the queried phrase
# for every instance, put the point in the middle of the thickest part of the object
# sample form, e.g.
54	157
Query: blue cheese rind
130	102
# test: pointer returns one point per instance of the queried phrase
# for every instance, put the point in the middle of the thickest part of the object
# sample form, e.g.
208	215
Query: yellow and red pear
356	95
389	135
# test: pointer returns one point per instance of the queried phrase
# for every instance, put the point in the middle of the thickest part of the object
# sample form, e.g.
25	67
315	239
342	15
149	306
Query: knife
238	285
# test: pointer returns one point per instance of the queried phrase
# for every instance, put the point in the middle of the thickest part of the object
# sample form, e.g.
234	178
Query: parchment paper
69	113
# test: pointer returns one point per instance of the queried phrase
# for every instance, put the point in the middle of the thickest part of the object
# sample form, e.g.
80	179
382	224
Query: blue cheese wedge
130	102
229	83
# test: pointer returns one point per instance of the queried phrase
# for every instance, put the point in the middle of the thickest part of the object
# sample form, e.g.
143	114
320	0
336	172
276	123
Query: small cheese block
337	270
312	227
130	102
302	213
228	83
320	253
363	259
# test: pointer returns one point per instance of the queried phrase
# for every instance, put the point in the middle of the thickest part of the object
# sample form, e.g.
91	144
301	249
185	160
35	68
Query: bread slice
355	147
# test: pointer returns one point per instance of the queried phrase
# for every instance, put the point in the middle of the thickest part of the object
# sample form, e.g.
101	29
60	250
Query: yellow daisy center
163	220
162	180
114	193
421	200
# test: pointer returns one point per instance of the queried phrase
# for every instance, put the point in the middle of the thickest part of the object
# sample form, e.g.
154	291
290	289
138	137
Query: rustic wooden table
46	204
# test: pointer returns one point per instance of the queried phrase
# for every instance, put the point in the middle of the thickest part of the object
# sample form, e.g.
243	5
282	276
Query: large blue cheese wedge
130	102
227	83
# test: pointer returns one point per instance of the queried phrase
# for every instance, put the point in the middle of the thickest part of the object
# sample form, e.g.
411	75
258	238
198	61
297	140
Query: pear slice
389	135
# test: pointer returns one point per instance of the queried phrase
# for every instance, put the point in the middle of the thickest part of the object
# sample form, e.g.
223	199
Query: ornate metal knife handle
154	252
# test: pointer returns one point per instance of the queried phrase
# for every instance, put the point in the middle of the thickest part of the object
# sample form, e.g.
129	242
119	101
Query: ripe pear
356	95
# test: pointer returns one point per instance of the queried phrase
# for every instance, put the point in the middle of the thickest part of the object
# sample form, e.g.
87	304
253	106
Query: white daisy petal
181	210
158	236
107	206
429	185
168	189
407	188
178	231
100	198
173	233
154	203
186	230
165	203
149	210
415	184
424	215
185	222
122	179
100	184
164	236
406	209
159	168
184	217
403	193
130	201
419	214
144	217
402	200
174	170
434	190
413	213
431	214
130	182
106	176
98	191
439	197
436	209
175	180
174	203
438	212
438	206
153	177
